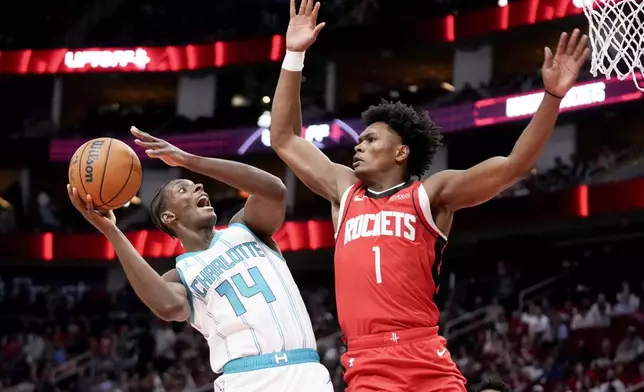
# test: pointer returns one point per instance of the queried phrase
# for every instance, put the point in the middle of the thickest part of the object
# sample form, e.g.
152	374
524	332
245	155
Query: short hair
416	129
493	384
157	206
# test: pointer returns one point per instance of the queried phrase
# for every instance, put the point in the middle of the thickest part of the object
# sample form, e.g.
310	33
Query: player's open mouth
203	201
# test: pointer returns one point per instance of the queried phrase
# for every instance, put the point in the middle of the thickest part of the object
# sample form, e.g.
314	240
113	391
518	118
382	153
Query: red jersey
387	259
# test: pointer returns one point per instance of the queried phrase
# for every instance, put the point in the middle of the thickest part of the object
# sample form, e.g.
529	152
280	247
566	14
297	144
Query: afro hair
493	384
416	129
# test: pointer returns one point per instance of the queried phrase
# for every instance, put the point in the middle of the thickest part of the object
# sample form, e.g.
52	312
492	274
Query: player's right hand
303	28
104	221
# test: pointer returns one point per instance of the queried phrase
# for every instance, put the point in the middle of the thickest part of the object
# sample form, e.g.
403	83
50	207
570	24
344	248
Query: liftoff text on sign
107	59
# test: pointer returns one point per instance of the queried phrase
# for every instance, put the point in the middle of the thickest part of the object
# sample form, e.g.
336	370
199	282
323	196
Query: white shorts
303	377
296	376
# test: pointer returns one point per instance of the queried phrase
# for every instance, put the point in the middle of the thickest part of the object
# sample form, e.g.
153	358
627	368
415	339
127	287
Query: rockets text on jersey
243	298
387	260
383	223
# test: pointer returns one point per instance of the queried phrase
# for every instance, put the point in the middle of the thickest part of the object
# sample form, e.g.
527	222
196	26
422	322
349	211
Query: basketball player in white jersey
233	285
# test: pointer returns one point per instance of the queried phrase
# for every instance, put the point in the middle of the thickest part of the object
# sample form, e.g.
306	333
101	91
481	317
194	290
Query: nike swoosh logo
358	198
441	352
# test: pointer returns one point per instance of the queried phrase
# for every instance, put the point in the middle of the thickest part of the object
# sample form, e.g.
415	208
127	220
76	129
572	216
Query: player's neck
384	181
196	241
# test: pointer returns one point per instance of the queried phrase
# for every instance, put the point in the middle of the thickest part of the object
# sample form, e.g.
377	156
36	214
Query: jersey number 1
259	286
376	252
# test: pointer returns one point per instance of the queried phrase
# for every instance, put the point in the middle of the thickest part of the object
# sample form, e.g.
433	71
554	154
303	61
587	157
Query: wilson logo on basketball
92	156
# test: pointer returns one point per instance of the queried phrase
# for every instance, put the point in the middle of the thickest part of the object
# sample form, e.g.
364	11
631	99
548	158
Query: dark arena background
541	287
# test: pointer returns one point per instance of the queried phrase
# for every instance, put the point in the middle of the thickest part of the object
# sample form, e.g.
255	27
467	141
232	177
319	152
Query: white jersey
243	298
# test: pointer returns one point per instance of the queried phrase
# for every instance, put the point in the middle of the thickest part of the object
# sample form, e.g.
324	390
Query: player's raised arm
166	298
452	189
265	208
310	165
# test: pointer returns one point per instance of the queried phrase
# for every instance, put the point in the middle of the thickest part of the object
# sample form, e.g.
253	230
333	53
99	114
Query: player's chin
208	212
361	171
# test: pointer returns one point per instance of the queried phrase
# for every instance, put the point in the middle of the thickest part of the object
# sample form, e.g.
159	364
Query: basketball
108	170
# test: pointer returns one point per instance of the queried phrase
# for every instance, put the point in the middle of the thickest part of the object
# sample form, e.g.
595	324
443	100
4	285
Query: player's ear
403	153
168	217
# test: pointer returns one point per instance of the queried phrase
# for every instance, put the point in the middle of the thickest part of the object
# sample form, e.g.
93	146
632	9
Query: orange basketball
108	170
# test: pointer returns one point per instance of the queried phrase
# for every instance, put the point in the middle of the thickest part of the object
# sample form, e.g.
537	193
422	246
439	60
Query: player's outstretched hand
102	220
303	28
560	71
170	154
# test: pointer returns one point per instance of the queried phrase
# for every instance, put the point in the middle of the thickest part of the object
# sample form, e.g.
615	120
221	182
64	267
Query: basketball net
616	38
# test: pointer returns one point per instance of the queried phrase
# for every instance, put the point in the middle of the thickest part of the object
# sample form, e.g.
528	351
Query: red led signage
141	59
292	236
221	54
579	202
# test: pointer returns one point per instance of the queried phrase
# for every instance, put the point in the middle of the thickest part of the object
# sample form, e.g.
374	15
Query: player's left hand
560	71
303	28
159	148
104	221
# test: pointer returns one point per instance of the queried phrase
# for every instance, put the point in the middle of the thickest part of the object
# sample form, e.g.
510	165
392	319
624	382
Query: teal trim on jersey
212	243
243	226
190	299
266	361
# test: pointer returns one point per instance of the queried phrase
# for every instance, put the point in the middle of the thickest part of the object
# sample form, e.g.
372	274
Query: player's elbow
278	191
512	170
279	137
172	311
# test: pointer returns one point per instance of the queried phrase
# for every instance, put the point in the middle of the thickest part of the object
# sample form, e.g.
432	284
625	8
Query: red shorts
401	361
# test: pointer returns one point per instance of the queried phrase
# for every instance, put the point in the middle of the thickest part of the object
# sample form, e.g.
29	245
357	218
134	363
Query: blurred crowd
581	333
573	171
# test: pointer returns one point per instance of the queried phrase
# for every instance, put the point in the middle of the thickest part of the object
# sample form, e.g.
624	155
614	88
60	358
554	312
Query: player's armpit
177	313
263	216
456	189
313	168
180	308
167	300
308	163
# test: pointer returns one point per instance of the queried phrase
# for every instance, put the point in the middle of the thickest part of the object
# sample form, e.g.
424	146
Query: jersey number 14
259	286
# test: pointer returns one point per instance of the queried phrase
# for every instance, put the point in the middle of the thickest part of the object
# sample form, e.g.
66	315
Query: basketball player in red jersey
391	228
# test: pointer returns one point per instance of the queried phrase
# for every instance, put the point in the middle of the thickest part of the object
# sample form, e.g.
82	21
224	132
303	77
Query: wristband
551	94
293	61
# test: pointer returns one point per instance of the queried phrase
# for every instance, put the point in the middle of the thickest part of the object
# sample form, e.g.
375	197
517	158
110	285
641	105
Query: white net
616	38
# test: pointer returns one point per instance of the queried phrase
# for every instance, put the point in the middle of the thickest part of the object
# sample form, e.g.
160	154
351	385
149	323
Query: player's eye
182	190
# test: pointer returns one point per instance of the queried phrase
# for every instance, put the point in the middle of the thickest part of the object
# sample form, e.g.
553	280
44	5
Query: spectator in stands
34	347
47	213
582	318
630	347
501	326
165	339
580	377
494	344
606	355
610	384
627	301
601	311
537	322
495	310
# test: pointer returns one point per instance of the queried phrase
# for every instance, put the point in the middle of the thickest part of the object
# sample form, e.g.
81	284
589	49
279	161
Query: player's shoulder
239	230
434	183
